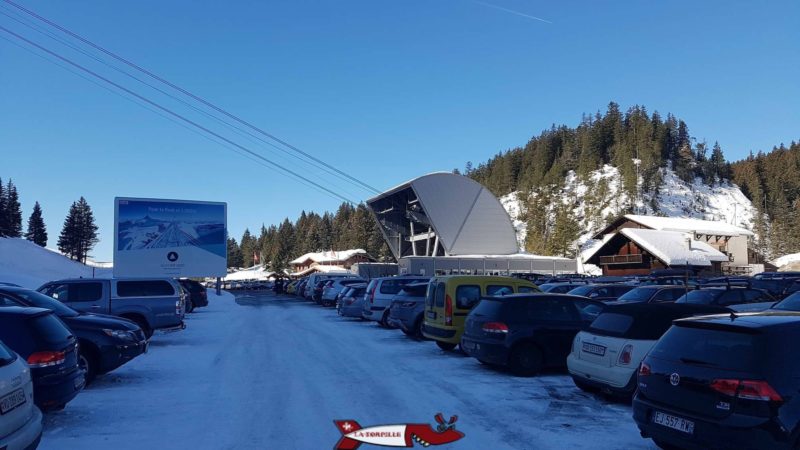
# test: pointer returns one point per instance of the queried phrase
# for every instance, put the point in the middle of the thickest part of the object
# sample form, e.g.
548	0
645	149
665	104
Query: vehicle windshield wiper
696	362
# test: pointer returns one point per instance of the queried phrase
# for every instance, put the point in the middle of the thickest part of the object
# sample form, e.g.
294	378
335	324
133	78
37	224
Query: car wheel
446	346
525	360
189	306
385	319
418	329
87	361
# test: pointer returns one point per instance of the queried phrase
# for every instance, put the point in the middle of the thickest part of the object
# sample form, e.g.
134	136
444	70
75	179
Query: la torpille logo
397	435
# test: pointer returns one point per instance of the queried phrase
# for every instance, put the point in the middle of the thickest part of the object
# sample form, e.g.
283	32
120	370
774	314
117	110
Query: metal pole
219	286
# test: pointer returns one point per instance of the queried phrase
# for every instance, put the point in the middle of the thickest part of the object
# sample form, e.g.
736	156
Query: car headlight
122	335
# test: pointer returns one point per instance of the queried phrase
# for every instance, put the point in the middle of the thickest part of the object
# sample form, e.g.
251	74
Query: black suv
527	332
198	296
105	342
651	294
51	351
602	292
723	381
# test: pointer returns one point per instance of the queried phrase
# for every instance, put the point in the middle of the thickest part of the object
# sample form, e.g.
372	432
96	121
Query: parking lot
257	370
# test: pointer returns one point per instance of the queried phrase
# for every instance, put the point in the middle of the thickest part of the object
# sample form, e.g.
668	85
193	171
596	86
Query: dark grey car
352	302
407	307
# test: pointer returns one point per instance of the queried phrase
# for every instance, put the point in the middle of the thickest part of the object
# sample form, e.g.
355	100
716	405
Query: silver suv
380	292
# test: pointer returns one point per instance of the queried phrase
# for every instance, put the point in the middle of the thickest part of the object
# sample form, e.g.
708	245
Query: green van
450	298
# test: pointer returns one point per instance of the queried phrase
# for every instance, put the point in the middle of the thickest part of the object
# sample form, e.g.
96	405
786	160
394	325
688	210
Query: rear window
490	308
49	329
392	287
644	327
701	297
467	296
582	291
145	288
6	355
439	294
715	348
790	303
42	301
611	324
637	295
494	289
358	292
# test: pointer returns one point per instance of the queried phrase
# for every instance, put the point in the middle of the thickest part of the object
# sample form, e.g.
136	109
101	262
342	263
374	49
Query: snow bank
24	263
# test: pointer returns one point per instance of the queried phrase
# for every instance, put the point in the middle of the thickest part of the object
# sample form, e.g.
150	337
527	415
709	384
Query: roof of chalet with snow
329	256
683	224
321	269
671	247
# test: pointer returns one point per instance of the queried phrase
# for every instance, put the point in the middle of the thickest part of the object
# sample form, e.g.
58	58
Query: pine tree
13	212
234	253
79	234
3	225
37	232
248	246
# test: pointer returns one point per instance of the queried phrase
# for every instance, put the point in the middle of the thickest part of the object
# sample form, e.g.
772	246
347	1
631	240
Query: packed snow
723	202
329	256
267	372
24	263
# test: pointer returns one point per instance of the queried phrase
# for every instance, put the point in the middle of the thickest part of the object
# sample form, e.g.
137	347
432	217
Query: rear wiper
696	361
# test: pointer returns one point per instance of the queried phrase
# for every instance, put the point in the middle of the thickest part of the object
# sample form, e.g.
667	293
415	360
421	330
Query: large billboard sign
169	238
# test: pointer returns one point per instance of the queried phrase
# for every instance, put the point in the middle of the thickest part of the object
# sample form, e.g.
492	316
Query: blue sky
386	90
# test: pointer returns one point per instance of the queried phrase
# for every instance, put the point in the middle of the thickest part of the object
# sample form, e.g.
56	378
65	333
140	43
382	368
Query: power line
188	93
170	112
243	132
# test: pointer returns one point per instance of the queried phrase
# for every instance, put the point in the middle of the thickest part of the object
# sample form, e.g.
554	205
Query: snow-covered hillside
602	198
24	263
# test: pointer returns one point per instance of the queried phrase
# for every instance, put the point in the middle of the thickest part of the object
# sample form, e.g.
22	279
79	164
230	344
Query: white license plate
674	422
12	400
594	349
431	314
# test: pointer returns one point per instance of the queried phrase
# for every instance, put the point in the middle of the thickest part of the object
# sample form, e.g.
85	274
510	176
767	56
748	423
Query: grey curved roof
465	216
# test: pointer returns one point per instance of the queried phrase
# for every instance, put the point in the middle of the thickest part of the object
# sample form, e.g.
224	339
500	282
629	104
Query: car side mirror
594	295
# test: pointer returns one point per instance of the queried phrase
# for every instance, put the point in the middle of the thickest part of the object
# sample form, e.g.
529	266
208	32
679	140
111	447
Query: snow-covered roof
465	216
257	272
785	260
321	269
688	225
329	256
671	247
520	255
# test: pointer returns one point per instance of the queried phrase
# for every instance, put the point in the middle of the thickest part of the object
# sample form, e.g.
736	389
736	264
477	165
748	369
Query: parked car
198	295
724	381
20	419
526	332
315	278
444	316
51	351
301	286
380	292
602	292
735	298
154	303
351	304
651	294
332	288
290	288
606	356
560	287
407	309
778	275
4	283
104	342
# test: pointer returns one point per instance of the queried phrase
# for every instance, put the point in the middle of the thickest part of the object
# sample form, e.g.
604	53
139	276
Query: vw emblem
172	256
674	379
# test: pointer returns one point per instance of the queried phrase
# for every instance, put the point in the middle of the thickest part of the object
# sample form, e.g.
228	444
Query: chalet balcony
620	259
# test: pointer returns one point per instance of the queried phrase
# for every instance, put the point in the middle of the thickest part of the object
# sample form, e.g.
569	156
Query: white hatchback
20	419
606	357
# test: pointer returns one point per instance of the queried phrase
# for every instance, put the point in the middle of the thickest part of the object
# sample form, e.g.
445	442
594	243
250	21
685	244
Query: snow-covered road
264	372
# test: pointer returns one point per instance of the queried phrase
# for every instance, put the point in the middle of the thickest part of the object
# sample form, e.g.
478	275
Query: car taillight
625	355
495	327
372	296
746	389
46	359
448	310
644	370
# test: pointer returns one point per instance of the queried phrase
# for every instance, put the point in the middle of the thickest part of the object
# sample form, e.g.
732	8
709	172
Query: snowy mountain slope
602	198
24	263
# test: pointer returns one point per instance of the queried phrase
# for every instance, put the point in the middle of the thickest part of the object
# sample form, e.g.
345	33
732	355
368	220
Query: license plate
431	314
594	349
674	422
12	400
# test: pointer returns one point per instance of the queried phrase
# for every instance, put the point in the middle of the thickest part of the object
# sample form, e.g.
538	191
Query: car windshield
638	295
700	297
43	301
790	303
581	290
